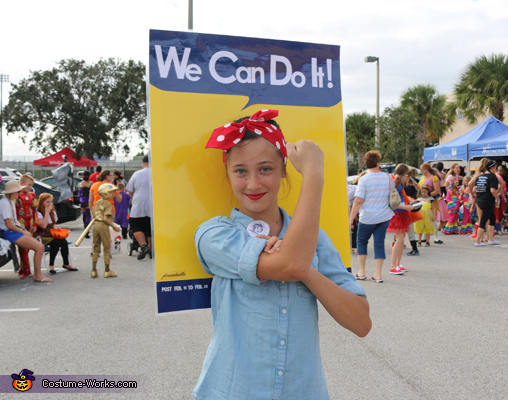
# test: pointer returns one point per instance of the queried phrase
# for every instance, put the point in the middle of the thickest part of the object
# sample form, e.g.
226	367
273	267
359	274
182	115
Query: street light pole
3	78
370	59
191	12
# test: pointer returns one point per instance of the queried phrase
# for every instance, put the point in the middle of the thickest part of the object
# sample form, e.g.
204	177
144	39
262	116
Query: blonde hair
25	178
355	181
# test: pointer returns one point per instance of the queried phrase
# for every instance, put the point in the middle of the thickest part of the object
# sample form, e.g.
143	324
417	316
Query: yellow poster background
190	185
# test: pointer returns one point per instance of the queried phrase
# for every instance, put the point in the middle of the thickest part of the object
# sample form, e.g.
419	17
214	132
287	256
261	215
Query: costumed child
266	286
122	209
25	209
452	197
84	198
103	219
425	225
500	205
466	199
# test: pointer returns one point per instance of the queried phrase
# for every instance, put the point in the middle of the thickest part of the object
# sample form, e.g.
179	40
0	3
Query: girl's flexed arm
293	260
350	310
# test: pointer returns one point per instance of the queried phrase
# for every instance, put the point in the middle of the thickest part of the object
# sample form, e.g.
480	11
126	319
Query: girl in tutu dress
399	224
426	225
466	199
452	197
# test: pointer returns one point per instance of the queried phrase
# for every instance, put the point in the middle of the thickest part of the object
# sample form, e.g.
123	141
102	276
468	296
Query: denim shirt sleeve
331	265
226	249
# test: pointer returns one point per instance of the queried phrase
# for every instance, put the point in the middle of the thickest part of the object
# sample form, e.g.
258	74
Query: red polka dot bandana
228	135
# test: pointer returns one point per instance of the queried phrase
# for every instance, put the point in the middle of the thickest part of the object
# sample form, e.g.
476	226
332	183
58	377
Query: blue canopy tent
458	149
494	147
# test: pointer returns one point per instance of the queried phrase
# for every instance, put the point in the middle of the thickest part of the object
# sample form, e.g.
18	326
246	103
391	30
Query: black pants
488	214
354	234
54	246
86	217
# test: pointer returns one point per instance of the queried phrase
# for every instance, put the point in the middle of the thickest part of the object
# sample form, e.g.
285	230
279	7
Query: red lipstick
255	196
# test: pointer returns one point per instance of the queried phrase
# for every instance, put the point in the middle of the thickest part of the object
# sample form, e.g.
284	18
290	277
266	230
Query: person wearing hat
103	219
11	229
487	195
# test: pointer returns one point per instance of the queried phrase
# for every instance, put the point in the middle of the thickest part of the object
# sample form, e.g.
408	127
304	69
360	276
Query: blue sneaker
413	253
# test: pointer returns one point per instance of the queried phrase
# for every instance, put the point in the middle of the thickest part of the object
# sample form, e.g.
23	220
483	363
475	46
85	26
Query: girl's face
456	169
255	170
465	181
48	203
425	193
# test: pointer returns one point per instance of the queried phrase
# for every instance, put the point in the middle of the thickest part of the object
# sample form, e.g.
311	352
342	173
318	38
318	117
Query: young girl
265	340
452	198
426	225
12	231
84	197
46	220
466	199
399	224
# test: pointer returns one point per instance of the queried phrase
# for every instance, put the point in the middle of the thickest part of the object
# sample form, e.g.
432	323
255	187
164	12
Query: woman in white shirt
11	229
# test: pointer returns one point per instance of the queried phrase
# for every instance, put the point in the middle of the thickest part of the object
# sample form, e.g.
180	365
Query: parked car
50	180
5	172
65	209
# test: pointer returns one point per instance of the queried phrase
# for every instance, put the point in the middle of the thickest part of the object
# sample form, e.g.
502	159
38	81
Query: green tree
432	111
483	88
399	127
360	135
94	109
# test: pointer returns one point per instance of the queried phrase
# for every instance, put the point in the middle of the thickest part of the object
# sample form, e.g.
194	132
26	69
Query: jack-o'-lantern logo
23	381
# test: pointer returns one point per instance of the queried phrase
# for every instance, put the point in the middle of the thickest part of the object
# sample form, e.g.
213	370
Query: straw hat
12	187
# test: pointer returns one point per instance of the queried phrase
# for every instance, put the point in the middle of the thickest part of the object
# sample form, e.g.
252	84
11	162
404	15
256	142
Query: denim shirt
265	342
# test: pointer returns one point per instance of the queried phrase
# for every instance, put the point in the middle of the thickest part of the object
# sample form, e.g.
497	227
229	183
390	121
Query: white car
10	172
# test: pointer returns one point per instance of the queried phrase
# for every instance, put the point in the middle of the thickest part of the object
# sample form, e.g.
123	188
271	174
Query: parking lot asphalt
439	331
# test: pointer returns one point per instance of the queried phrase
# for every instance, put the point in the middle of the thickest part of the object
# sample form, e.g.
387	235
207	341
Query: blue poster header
267	71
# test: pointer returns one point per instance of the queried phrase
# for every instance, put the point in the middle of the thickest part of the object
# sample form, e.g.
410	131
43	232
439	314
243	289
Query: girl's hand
306	157
273	243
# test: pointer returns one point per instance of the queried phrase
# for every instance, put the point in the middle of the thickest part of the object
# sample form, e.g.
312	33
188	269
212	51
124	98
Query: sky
417	41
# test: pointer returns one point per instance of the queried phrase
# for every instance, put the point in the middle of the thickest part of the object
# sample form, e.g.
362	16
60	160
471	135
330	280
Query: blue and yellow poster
198	82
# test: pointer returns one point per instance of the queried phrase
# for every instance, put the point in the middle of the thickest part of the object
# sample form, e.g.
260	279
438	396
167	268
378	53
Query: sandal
360	278
372	279
45	280
70	268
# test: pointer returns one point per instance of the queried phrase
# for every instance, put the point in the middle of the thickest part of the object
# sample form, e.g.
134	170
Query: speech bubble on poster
267	71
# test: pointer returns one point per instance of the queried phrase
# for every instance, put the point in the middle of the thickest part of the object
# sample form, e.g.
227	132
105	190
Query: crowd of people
442	201
30	223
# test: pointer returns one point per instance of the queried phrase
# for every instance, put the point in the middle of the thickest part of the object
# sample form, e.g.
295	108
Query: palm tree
360	134
483	88
430	106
